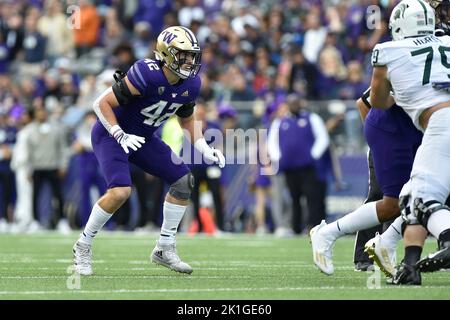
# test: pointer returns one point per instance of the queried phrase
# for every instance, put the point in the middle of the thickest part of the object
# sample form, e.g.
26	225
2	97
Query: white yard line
60	292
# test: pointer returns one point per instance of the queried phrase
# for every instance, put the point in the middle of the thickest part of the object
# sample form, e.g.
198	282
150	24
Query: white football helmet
411	18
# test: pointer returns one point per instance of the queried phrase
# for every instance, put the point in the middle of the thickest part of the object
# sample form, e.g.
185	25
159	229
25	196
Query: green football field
226	267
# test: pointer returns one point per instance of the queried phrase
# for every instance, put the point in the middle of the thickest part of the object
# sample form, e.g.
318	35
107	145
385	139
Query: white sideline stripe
126	277
157	276
205	290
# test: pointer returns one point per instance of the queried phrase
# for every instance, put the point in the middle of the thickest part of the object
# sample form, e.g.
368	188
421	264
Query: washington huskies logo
168	36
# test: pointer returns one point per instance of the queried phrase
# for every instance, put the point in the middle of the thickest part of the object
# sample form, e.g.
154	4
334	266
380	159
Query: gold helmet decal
178	48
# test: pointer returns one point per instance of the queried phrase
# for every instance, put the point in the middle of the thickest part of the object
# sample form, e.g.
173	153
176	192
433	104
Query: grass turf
227	267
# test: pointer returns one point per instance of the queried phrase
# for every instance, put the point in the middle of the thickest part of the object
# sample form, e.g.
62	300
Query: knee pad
181	189
423	211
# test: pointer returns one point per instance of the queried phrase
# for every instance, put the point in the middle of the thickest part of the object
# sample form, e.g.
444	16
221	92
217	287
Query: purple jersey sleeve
140	74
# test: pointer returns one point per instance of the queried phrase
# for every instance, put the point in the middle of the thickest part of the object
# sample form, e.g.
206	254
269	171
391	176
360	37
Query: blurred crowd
57	56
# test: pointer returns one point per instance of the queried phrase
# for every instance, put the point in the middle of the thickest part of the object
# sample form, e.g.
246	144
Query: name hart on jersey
423	40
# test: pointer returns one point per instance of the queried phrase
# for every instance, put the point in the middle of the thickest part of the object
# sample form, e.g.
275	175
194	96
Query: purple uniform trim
143	116
154	157
393	140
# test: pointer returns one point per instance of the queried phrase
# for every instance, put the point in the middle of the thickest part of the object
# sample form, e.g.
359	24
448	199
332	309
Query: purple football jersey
159	100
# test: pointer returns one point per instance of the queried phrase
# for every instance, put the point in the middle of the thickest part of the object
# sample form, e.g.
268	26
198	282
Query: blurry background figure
53	25
7	141
48	157
260	184
86	36
207	175
34	45
88	168
151	203
355	85
303	140
281	199
133	211
19	163
254	51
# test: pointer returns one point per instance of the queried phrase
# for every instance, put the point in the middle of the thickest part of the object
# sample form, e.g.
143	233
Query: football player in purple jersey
128	114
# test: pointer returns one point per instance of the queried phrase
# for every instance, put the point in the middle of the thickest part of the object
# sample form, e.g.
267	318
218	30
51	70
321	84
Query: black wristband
365	98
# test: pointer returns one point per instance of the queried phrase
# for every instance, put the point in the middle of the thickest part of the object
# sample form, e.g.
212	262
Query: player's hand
209	153
127	140
215	155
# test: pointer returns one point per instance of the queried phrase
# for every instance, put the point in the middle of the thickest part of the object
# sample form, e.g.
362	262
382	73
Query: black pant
200	174
303	181
7	182
149	195
363	236
51	176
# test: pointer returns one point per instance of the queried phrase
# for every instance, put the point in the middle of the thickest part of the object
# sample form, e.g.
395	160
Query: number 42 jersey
413	64
158	101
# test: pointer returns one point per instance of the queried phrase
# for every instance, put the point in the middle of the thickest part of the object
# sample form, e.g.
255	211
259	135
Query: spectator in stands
53	25
153	12
13	31
314	37
355	85
87	34
332	73
114	34
34	45
4	56
190	11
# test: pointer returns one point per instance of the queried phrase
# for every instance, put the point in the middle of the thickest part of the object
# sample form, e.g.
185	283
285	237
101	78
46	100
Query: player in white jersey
416	68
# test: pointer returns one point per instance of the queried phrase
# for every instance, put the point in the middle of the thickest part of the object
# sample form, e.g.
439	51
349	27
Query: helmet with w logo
179	49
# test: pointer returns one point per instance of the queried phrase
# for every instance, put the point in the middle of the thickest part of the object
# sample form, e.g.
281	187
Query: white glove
209	153
126	140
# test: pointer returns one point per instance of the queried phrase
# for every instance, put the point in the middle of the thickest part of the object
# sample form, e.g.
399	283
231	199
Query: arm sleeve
366	98
98	112
322	140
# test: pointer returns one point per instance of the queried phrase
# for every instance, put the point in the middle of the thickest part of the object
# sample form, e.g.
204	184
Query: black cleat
364	266
406	274
435	261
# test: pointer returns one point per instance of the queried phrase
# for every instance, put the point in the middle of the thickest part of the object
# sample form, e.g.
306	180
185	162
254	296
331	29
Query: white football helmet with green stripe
411	18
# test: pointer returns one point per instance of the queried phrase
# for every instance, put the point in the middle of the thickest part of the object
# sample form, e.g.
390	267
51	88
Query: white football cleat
322	249
82	258
166	255
384	256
